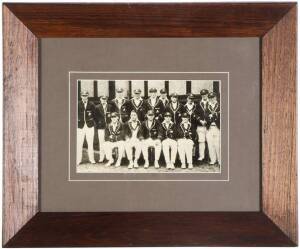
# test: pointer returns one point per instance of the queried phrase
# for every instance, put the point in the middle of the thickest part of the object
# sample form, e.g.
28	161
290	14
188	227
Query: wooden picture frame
274	225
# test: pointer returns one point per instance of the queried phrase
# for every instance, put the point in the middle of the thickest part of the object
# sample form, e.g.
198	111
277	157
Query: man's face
133	116
137	95
150	117
184	120
167	119
119	95
163	95
114	120
189	100
213	100
153	94
84	98
205	97
174	99
103	101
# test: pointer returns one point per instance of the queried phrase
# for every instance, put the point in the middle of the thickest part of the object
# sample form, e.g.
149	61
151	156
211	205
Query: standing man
169	136
163	97
85	128
137	104
132	128
201	115
153	103
114	138
150	136
120	105
102	119
186	135
175	109
213	133
190	108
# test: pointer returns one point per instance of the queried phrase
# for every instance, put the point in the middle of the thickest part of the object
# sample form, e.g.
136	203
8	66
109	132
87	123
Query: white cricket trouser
213	141
151	143
109	146
167	145
88	133
101	134
129	145
201	131
185	149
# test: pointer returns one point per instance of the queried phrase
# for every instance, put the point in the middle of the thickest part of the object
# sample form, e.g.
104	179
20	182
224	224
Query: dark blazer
192	114
129	129
140	109
153	132
175	112
189	132
86	116
201	112
213	115
116	135
102	117
123	111
165	102
169	132
158	108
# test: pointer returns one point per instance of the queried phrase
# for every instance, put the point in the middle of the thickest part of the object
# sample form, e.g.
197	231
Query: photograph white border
140	72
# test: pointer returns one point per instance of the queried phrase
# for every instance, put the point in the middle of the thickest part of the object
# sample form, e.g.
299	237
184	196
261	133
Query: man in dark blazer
201	116
85	128
213	129
150	135
114	138
132	141
154	103
121	105
186	137
102	119
137	104
189	108
175	109
169	140
163	97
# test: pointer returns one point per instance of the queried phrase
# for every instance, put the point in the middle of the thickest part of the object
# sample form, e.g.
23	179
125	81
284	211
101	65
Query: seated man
185	141
150	136
132	141
169	136
114	138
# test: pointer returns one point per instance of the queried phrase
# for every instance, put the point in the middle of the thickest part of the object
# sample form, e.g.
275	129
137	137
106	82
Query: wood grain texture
150	20
20	191
150	229
279	167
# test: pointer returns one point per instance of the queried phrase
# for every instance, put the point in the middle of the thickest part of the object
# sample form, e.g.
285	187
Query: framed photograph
175	128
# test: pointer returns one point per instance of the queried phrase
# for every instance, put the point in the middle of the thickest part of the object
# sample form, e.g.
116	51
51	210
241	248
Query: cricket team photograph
159	131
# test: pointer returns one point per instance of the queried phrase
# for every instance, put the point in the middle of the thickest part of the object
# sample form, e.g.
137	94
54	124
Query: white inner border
112	72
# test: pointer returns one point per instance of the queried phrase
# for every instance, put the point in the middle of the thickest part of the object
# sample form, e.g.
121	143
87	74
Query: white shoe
130	166
200	158
101	159
156	165
136	164
212	163
168	166
146	165
93	162
109	163
190	166
118	163
183	166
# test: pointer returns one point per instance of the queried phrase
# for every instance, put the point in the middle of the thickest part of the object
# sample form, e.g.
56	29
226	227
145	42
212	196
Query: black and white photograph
148	126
